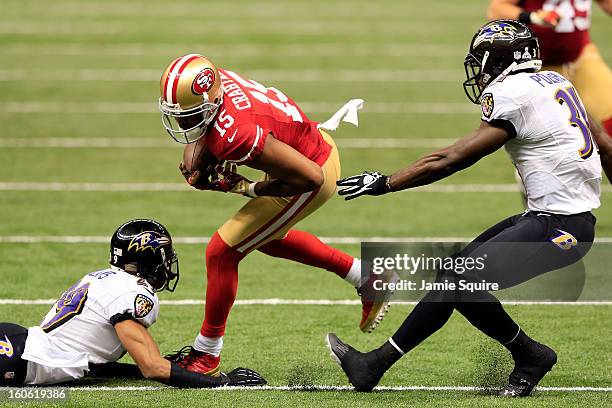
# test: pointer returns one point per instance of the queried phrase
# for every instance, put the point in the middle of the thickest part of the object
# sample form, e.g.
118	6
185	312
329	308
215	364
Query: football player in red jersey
562	27
227	120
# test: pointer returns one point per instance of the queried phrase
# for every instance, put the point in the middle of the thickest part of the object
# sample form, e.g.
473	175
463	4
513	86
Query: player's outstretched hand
366	183
245	377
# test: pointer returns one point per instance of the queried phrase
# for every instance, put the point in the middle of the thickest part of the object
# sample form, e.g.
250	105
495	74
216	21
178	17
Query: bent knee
218	251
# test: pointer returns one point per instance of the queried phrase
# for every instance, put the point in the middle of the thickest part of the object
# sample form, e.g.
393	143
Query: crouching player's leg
265	224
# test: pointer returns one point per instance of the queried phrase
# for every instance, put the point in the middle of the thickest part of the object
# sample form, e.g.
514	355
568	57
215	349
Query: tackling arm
442	163
143	349
432	167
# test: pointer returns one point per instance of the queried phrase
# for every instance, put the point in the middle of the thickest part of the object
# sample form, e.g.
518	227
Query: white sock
210	345
354	274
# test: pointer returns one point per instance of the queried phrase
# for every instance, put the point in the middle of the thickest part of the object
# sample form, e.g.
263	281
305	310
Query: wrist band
251	190
388	184
525	17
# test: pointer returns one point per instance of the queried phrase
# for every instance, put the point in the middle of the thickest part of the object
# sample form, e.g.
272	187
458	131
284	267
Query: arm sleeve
179	377
501	111
140	306
115	370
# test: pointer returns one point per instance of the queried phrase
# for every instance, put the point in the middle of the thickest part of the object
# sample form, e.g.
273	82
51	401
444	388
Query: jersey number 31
578	118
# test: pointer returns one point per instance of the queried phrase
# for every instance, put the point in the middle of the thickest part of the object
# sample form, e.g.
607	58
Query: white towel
347	113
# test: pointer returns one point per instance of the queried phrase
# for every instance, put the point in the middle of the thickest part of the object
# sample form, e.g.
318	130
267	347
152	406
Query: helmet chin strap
484	61
536	65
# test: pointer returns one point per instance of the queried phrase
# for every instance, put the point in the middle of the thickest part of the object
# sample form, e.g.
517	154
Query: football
197	156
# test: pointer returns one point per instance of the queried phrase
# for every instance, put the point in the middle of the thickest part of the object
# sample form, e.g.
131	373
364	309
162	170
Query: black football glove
366	183
244	377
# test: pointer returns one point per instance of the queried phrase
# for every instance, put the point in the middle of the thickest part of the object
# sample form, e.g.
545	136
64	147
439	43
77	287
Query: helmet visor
166	274
187	126
474	84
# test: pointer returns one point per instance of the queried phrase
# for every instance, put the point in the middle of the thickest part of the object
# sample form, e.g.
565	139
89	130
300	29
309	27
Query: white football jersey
79	328
552	147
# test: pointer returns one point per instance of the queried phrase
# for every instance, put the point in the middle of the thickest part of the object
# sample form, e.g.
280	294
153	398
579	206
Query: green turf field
77	74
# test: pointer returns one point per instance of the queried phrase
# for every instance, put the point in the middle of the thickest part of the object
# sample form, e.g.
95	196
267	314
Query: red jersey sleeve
239	143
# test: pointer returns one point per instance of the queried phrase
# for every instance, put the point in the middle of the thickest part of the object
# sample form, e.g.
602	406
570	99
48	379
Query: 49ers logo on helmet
203	81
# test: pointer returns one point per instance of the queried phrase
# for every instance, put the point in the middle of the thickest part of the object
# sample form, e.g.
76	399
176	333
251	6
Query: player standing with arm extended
103	316
539	118
227	120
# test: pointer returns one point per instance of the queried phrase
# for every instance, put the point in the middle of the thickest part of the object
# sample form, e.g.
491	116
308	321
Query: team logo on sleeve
6	348
148	240
564	240
142	306
203	81
487	105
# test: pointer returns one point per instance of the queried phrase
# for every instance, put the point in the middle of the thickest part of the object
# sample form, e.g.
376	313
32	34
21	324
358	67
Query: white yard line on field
307	302
254	12
131	187
283	75
335	388
314	28
242	50
165	142
310	107
99	239
76	239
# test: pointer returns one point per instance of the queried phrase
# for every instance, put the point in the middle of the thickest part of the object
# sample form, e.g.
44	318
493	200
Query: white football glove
366	183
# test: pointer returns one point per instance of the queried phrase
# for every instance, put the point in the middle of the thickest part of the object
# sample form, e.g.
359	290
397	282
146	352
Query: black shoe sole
339	352
548	359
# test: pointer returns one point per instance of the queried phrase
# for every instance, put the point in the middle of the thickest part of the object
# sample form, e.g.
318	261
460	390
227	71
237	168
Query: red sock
607	124
305	248
222	275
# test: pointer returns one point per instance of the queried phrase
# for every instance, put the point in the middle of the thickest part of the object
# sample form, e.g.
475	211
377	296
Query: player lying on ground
541	121
224	117
102	316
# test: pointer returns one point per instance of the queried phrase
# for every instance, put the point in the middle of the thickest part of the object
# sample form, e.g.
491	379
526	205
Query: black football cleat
362	369
244	377
529	370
